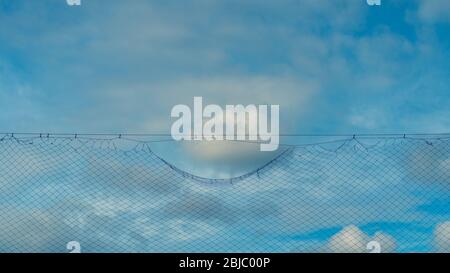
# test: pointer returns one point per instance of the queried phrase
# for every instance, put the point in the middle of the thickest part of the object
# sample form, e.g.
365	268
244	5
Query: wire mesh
373	194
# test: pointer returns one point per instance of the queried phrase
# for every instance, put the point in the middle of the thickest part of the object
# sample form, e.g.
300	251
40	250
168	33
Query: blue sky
333	67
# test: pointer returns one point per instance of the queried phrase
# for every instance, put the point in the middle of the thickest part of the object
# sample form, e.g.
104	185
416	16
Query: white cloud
442	237
349	239
352	240
217	158
387	242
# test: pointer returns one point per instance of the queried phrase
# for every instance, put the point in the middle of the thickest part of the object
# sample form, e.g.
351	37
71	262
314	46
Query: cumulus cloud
349	239
218	157
352	240
442	237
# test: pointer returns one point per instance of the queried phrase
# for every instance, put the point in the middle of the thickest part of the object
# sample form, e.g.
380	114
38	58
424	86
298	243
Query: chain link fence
364	194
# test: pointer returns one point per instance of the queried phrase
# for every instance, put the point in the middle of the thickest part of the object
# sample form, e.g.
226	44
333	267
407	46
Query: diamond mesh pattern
347	197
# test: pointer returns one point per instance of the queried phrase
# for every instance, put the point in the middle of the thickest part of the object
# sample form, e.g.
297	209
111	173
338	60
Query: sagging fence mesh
383	195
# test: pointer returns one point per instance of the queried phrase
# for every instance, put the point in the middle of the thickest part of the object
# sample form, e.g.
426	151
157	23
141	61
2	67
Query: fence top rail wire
281	134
